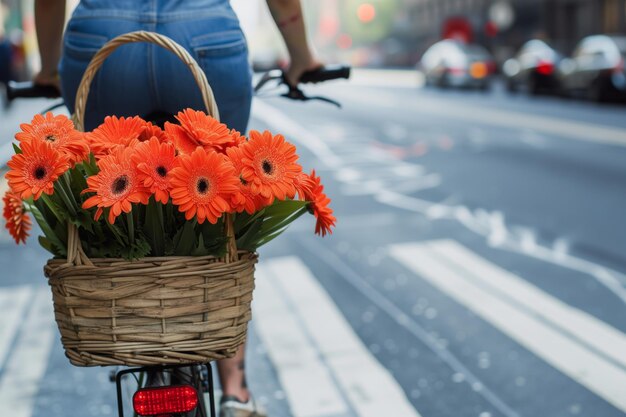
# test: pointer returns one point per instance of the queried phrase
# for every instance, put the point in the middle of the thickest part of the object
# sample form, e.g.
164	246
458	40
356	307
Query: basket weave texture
152	311
167	310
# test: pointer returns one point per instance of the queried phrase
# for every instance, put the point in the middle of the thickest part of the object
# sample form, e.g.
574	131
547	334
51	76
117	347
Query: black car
596	69
533	68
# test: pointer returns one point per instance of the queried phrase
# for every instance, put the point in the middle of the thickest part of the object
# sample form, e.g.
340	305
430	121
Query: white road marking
489	224
517	315
304	377
593	332
370	388
27	363
13	302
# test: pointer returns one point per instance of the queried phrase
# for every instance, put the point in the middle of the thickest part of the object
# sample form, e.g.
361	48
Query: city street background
478	267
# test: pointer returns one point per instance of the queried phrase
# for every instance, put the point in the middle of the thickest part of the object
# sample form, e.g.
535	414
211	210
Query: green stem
71	205
131	227
52	206
160	216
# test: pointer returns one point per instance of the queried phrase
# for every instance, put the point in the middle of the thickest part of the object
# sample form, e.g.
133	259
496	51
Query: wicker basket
168	310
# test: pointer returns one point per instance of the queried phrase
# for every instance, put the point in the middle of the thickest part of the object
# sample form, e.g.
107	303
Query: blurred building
504	25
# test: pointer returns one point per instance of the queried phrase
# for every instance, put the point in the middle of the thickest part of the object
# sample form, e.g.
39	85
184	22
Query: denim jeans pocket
82	46
219	44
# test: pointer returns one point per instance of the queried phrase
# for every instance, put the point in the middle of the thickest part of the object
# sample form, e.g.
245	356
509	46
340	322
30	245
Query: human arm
49	23
288	17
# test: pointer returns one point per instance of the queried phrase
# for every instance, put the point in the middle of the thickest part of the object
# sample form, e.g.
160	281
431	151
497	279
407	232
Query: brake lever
275	74
295	93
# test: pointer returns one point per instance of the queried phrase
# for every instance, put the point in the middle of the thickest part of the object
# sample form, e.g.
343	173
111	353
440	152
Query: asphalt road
478	267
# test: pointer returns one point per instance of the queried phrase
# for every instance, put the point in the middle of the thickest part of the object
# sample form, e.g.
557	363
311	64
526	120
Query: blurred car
451	63
534	68
596	68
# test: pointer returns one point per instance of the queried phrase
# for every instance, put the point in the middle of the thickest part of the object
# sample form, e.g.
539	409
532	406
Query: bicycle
177	390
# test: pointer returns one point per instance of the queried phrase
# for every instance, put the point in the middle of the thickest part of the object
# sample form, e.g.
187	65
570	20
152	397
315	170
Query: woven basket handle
141	36
75	253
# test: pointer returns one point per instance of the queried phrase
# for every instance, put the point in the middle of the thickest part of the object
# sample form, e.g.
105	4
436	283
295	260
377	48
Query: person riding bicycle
143	79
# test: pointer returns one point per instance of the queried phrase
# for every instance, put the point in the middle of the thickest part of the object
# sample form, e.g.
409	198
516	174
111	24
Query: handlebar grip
28	89
326	73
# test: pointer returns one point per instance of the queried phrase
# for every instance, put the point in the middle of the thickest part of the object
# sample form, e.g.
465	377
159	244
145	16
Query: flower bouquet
154	231
134	190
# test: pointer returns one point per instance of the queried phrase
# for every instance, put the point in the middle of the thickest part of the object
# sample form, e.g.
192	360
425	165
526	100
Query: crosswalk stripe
27	363
368	386
306	380
13	302
595	333
453	275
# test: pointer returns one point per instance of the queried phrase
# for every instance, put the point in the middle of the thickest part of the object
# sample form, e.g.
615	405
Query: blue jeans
140	78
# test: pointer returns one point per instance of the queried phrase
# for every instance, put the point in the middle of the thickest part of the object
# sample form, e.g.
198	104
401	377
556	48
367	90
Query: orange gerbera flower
117	185
115	132
202	185
245	199
270	165
304	186
199	129
154	161
319	204
35	170
17	219
59	131
237	138
149	131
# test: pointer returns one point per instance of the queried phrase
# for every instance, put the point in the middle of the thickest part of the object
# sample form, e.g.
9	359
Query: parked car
452	63
596	69
534	68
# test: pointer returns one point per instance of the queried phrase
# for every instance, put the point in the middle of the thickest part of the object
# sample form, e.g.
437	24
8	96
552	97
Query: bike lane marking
13	303
369	388
536	320
307	381
28	361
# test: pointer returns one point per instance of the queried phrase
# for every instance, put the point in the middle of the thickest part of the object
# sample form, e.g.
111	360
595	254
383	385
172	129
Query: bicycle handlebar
29	89
324	73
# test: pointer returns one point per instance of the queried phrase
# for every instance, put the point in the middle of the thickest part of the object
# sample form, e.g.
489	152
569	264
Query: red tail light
165	400
545	67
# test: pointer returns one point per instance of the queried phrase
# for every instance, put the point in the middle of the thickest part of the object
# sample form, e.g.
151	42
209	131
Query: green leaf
139	249
78	183
185	239
272	223
54	207
90	166
59	249
46	244
248	239
16	148
153	228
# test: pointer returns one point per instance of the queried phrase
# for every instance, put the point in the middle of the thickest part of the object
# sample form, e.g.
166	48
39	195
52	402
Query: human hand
298	67
47	78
